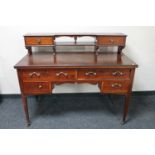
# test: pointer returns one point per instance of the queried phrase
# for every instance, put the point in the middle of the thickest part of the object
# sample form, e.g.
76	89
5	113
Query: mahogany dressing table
39	72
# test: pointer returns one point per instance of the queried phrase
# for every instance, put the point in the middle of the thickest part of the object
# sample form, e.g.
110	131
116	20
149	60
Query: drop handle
111	40
34	74
61	73
116	85
117	73
40	86
90	73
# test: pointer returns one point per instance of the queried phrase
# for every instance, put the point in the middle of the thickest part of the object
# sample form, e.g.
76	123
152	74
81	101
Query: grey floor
78	111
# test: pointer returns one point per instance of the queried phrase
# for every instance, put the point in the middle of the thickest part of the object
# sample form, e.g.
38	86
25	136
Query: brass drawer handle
34	74
61	73
38	40
111	40
116	85
40	86
117	73
90	73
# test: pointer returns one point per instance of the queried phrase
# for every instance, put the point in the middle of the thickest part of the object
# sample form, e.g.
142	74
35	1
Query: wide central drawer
99	74
39	75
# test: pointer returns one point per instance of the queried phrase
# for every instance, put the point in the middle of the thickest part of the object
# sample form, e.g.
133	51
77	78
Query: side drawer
111	40
39	41
99	74
36	87
35	75
115	86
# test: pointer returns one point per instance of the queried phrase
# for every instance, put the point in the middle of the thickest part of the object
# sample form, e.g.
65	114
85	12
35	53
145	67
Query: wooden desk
39	72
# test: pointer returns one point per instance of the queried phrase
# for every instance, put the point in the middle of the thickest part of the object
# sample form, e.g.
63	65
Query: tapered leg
25	106
110	98
126	107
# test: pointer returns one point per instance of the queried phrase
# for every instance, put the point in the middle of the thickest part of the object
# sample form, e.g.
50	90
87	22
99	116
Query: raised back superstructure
100	40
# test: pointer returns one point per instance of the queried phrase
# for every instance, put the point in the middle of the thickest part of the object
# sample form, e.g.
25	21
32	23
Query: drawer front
64	74
36	75
115	86
39	41
120	41
36	87
99	74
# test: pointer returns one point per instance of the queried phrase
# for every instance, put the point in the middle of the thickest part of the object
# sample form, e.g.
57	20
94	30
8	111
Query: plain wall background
140	47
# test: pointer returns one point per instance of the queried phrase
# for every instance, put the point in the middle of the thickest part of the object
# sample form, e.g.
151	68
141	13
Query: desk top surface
74	59
74	34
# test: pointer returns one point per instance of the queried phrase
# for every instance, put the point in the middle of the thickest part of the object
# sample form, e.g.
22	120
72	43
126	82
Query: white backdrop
140	47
